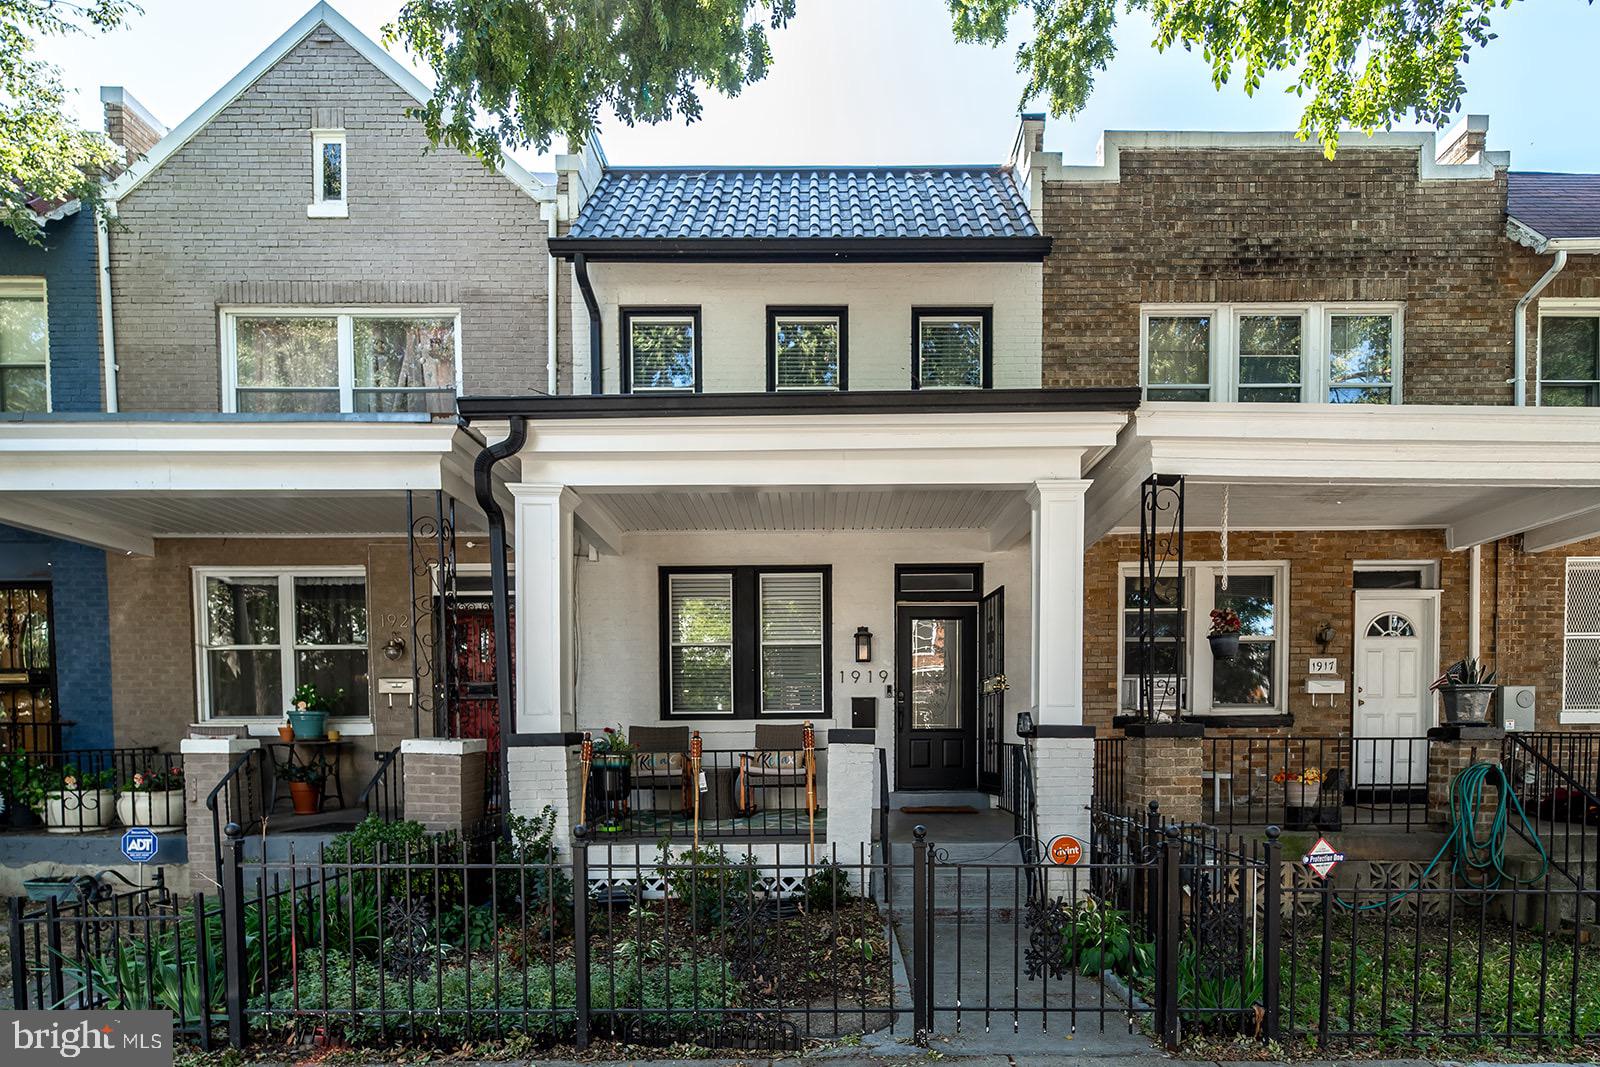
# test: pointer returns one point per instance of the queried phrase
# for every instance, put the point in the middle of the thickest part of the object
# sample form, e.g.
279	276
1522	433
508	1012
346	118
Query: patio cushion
775	764
659	764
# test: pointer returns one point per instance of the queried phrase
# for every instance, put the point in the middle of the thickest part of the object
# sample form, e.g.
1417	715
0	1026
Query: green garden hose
1481	862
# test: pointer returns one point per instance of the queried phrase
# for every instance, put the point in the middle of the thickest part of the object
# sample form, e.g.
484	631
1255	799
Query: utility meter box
1517	704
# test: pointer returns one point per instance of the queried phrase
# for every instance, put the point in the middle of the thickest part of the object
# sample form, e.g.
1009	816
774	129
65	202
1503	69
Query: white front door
1396	657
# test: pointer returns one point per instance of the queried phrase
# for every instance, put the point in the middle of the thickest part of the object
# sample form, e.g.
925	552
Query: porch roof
120	483
1479	474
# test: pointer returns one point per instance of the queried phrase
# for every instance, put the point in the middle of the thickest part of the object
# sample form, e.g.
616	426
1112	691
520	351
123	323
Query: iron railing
1254	781
741	794
384	794
35	792
1110	772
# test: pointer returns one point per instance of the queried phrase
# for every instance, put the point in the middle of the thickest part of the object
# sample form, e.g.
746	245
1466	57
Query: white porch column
538	763
1057	507
1062	748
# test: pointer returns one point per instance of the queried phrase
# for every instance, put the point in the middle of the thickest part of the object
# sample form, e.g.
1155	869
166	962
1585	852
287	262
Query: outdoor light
863	645
1024	724
1325	634
395	647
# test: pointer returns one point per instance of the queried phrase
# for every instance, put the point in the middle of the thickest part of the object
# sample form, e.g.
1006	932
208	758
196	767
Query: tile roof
806	202
1555	205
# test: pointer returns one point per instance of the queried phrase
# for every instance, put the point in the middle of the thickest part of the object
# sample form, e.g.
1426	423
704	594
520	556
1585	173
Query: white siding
734	300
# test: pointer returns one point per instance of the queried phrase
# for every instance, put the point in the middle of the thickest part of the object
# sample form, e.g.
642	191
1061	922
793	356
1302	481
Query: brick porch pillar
1163	763
1451	749
444	781
205	761
851	797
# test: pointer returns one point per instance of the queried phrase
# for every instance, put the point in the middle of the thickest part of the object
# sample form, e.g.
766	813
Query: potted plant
153	799
23	780
1466	690
1300	789
80	802
285	731
612	773
305	787
1224	635
309	716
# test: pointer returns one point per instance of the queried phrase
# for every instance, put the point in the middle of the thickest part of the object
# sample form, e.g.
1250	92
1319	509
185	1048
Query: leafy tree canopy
512	73
1365	64
42	153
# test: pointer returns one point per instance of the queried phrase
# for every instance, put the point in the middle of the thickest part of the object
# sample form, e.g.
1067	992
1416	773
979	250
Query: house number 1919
858	676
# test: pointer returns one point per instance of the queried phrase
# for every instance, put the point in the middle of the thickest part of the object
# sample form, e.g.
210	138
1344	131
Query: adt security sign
140	845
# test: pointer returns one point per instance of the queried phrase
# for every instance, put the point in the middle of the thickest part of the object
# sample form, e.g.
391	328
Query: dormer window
661	350
328	175
952	348
806	349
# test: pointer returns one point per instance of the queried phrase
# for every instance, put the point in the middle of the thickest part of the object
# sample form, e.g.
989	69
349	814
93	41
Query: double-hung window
952	348
264	632
1252	682
1272	353
744	642
307	361
807	349
24	346
1569	357
660	350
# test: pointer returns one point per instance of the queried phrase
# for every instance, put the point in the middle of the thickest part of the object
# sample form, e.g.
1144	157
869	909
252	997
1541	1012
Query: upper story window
952	348
1316	353
265	632
311	361
1569	359
807	348
328	175
24	346
660	350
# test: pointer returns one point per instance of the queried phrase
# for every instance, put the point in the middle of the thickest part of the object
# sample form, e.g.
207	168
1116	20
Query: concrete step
901	799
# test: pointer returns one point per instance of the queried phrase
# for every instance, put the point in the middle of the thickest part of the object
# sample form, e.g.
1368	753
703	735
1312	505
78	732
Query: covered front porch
721	578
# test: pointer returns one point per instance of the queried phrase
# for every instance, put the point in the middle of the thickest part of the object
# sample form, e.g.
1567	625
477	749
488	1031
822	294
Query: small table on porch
321	756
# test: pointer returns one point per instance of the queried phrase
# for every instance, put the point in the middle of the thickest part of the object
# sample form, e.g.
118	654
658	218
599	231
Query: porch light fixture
1025	727
395	647
863	645
1325	635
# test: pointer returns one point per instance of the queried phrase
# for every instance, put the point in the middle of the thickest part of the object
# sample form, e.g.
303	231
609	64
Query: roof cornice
805	249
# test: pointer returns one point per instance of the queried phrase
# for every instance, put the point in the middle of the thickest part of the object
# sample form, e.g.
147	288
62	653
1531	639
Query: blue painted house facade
55	676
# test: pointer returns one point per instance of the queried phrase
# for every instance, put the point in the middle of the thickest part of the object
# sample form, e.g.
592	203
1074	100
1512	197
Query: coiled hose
1478	861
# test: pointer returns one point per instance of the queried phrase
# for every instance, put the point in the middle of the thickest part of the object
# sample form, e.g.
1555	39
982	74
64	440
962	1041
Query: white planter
76	811
156	810
1301	794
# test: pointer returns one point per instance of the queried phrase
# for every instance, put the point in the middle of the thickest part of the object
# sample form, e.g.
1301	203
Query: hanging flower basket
1224	636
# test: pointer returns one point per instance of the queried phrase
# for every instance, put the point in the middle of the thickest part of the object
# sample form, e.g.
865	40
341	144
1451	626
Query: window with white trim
952	348
1272	353
307	361
264	632
1252	682
1569	359
744	642
661	350
1580	684
328	175
805	349
24	345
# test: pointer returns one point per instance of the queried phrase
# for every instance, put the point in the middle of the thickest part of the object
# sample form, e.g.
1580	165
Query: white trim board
320	14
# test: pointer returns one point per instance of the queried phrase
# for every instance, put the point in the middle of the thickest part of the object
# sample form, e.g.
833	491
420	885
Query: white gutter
108	335
1519	335
551	348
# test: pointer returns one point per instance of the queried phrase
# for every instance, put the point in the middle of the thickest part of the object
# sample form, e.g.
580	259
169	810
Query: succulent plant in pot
1466	689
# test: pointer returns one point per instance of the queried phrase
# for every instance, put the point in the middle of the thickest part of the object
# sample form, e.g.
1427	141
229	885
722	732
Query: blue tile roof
805	203
1555	205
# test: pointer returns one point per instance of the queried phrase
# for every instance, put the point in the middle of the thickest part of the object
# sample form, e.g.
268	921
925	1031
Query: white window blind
661	353
791	642
1581	678
950	352
700	623
806	353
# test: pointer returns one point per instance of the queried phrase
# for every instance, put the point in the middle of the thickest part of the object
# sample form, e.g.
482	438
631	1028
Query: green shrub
436	877
1099	938
708	884
826	887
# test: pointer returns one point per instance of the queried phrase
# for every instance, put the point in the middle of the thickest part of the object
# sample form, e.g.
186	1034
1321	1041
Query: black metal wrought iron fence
75	789
1315	782
1110	772
384	795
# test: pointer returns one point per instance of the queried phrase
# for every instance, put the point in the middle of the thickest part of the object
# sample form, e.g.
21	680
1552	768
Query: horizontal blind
1582	681
806	353
791	642
950	352
700	626
661	353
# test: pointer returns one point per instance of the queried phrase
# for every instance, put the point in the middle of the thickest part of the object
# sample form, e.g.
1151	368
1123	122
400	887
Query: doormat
941	809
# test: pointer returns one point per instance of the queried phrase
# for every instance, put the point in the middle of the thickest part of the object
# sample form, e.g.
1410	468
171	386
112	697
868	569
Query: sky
882	81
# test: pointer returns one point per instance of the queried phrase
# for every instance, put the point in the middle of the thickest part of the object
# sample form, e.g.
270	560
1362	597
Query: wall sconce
1025	727
863	645
1325	635
395	647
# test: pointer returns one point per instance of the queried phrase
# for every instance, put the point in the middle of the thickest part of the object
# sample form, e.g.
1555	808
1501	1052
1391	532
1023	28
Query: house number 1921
859	676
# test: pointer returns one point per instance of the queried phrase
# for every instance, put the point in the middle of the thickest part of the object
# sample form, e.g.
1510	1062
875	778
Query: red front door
474	707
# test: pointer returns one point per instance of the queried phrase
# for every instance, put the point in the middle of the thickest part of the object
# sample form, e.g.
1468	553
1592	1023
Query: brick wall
223	221
66	262
1235	225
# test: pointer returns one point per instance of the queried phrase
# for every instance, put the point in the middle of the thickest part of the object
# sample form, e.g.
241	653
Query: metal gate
28	710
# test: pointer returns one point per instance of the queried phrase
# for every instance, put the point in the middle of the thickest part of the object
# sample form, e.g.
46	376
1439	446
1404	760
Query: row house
949	463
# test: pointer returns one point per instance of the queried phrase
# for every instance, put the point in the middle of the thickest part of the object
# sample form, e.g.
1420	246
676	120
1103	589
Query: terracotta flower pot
286	733
307	797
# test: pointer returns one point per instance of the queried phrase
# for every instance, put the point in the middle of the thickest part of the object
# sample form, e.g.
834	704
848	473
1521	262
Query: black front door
936	688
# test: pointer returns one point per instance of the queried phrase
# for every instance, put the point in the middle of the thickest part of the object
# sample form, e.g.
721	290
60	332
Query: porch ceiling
737	510
1477	474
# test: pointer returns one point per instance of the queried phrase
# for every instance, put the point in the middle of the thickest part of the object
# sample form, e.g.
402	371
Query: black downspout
580	267
500	585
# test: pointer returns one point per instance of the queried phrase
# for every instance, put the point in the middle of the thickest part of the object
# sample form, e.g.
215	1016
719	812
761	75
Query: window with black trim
952	348
745	642
1569	360
807	349
660	349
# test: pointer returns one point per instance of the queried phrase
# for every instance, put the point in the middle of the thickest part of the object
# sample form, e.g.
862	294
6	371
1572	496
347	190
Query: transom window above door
952	348
304	361
807	349
1569	359
1274	353
660	350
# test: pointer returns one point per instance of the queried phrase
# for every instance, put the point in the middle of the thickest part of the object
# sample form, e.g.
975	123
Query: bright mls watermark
126	1038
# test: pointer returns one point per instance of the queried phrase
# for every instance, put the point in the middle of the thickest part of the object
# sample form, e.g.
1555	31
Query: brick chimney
129	124
1464	142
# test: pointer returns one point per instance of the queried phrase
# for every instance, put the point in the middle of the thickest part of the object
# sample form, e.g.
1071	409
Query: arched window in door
1391	624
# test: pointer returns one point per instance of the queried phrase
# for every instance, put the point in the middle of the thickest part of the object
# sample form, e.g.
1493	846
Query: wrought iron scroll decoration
431	542
1160	558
